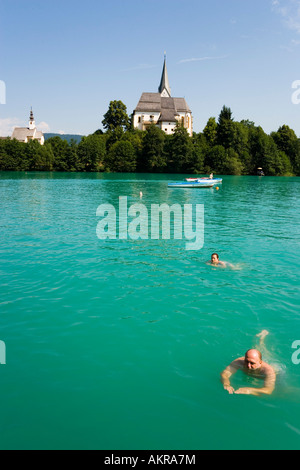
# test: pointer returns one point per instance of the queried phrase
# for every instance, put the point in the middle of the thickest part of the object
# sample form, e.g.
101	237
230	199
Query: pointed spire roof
31	118
164	86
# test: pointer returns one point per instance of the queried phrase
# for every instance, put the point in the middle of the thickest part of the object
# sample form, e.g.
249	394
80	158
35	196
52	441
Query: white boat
191	184
212	180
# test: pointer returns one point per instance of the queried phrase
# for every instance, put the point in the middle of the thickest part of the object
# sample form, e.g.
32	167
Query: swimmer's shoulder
237	363
268	369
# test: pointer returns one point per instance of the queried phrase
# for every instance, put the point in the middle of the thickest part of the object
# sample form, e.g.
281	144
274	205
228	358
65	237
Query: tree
240	145
287	141
200	149
225	128
13	155
215	159
232	164
210	131
60	151
113	136
91	152
264	152
135	137
181	150
116	116
121	157
153	157
38	157
72	156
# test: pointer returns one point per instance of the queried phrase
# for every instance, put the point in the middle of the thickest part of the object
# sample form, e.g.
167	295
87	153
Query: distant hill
67	137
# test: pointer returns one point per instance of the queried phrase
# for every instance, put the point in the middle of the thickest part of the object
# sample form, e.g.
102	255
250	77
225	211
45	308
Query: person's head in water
214	258
253	359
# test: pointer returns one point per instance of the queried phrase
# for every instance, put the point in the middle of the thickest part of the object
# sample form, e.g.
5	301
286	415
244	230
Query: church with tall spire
162	109
164	87
25	134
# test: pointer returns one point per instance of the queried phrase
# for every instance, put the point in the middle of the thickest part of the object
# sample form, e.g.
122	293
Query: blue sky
68	59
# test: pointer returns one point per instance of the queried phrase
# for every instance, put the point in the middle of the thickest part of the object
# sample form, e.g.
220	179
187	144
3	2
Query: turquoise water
119	344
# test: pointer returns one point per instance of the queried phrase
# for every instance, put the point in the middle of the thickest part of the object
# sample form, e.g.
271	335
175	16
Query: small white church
25	134
162	109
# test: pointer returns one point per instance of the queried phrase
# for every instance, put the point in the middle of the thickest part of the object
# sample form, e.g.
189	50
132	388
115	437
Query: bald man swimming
253	365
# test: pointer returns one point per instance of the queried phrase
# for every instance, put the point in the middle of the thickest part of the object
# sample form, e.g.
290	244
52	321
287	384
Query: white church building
25	134
162	109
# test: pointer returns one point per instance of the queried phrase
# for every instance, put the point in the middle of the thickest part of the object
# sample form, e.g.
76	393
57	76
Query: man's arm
267	389
228	372
253	391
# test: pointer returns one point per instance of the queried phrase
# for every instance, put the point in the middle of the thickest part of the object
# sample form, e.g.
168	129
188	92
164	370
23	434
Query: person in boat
211	176
252	365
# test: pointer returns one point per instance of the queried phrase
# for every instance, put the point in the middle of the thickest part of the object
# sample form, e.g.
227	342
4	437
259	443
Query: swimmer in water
215	261
252	365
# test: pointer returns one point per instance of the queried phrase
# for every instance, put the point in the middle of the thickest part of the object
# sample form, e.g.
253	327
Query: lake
119	343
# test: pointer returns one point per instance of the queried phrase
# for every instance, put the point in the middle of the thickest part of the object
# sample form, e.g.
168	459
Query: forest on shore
225	147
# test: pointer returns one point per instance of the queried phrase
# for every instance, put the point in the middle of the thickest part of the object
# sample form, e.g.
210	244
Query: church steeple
164	87
31	120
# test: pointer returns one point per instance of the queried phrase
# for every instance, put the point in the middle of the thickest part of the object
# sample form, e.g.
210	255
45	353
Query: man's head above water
253	359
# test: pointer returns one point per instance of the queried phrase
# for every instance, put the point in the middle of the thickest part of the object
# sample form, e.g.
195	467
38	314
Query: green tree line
225	146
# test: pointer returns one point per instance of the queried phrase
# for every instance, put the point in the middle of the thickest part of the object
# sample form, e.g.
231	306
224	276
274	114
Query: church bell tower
164	87
31	120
